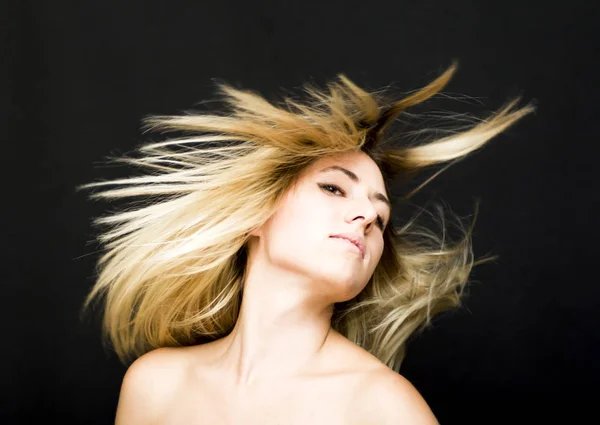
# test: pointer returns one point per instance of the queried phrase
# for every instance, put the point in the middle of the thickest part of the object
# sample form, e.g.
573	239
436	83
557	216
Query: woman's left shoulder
393	399
382	391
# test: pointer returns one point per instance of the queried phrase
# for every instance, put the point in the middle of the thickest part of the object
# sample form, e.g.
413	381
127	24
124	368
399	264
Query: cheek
295	232
379	253
376	255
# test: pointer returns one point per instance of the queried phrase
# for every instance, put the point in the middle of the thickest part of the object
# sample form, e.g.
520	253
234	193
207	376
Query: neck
280	332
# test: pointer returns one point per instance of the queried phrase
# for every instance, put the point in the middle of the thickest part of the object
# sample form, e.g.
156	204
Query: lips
355	238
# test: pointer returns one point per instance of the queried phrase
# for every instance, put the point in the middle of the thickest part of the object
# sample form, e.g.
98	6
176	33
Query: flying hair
173	263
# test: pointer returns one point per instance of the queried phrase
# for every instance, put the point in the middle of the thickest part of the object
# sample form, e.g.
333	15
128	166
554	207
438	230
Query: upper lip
355	238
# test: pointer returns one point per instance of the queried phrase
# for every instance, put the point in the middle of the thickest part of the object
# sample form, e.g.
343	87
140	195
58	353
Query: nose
364	211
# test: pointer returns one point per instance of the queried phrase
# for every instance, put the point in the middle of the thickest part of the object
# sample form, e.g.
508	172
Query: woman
264	281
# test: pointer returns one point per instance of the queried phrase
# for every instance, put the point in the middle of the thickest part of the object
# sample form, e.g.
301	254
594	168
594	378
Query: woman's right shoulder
159	358
150	383
165	364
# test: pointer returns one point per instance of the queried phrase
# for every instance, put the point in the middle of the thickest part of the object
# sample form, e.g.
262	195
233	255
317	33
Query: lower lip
350	245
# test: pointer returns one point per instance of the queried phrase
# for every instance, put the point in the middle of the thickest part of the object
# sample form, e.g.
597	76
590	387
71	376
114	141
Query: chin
347	289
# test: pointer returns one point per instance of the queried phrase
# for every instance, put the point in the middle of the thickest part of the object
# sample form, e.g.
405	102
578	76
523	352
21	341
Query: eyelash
324	186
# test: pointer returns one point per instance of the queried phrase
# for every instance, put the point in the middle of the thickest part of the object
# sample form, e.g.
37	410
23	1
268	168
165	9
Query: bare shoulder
390	398
381	395
149	385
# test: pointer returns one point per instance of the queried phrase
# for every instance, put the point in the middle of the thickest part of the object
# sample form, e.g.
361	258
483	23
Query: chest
317	403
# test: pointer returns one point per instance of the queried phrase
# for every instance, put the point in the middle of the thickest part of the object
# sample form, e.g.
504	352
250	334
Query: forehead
358	163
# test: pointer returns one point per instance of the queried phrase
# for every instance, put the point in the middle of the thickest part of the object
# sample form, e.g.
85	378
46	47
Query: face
327	201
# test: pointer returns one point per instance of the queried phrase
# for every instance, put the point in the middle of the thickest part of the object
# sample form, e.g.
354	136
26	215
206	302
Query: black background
78	76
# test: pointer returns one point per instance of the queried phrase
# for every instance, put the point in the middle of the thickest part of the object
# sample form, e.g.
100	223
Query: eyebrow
380	196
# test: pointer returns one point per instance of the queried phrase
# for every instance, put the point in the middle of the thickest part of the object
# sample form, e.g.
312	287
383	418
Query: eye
333	188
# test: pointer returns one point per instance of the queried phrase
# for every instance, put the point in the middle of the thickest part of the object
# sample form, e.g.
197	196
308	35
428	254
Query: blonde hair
173	268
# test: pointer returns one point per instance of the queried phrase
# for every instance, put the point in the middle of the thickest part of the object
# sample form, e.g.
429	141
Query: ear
253	240
258	232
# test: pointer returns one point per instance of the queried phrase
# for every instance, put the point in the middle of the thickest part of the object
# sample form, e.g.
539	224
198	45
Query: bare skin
283	363
325	395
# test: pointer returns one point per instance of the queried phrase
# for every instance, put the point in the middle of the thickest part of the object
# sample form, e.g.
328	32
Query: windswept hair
173	265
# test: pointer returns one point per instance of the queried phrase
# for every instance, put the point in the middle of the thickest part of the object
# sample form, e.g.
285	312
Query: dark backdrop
78	76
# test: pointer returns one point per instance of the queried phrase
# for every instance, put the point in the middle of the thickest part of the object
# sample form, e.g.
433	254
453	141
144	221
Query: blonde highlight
173	268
